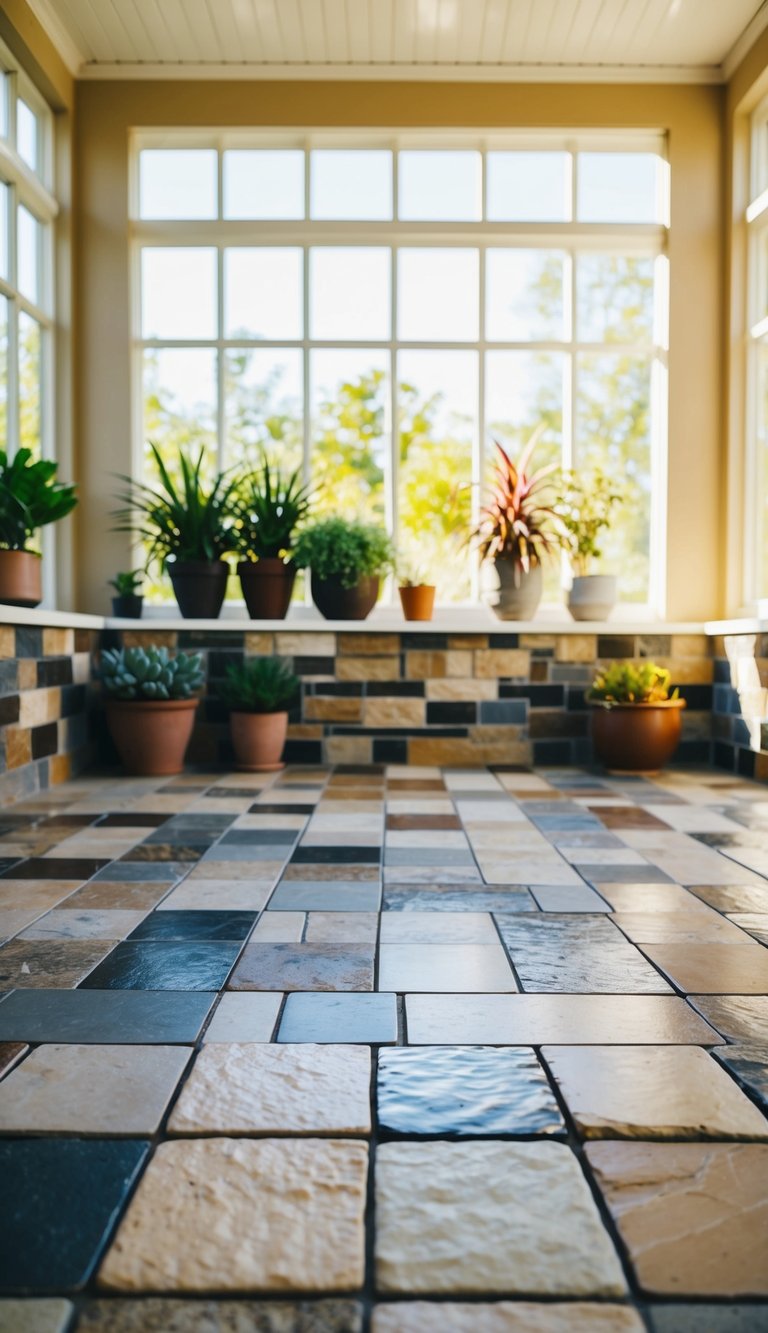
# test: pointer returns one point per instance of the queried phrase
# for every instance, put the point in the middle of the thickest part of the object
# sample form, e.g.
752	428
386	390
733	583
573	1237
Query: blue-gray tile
576	954
339	1018
165	965
109	1017
458	900
325	896
748	1061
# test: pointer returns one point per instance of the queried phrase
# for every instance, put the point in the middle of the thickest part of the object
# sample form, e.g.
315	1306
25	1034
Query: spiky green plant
30	497
259	685
150	673
631	683
268	509
127	583
515	523
180	521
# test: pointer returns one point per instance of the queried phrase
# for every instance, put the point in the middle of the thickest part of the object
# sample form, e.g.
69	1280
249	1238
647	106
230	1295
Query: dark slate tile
326	895
341	855
339	1019
170	965
54	671
538	696
105	1017
9	676
458	899
457	713
395	689
303	752
314	666
551	752
503	712
58	1205
192	925
29	641
745	763
389	751
44	740
258	837
708	1318
56	867
576	954
623	874
335	689
163	872
465	1090
9	709
152	1314
304	967
281	809
749	1063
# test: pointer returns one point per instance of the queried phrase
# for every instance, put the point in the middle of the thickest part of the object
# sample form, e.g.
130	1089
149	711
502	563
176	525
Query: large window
380	311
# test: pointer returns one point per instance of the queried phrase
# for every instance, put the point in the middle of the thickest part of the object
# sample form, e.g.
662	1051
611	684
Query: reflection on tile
29	1315
737	1017
576	953
249	1016
748	1062
714	969
195	925
165	965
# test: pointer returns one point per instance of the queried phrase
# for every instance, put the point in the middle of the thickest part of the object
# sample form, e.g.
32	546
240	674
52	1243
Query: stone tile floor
406	1050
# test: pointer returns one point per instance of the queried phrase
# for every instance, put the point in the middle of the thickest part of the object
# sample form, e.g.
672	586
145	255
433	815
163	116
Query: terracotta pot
519	592
418	601
21	578
636	738
258	740
267	585
337	603
151	735
199	587
128	606
593	596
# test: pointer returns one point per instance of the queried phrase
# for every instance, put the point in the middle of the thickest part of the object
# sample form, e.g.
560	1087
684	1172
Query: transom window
379	312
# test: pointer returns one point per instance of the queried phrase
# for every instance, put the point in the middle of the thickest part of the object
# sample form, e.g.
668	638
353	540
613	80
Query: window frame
755	527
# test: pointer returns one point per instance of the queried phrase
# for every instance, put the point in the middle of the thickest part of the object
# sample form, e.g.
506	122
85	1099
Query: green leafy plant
268	509
631	683
585	505
150	673
348	552
259	685
127	584
30	497
184	520
515	523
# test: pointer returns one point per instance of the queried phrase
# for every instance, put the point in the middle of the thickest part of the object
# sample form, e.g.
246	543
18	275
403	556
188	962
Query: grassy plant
180	521
30	497
268	509
259	685
348	552
150	673
631	683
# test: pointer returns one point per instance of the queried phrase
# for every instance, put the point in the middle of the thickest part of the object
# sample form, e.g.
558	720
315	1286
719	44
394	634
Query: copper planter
636	738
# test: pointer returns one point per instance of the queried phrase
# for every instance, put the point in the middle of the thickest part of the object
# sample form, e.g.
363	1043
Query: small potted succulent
30	498
417	594
268	509
517	530
585	506
636	722
187	527
128	601
259	691
151	699
346	561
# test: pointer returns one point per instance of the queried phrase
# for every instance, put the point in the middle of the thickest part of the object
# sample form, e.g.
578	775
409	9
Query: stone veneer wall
740	704
45	732
436	698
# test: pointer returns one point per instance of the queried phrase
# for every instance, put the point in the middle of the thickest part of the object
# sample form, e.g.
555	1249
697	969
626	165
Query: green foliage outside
150	673
585	506
259	685
631	683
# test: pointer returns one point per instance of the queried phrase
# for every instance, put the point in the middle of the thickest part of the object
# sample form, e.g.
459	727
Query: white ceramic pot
593	596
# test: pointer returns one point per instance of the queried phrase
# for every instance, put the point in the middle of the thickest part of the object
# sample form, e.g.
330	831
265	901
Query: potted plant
259	691
268	509
585	505
417	596
516	530
30	497
346	562
150	706
636	722
187	527
127	601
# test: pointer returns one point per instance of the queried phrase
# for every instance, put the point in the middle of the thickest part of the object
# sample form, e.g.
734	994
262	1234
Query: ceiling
691	40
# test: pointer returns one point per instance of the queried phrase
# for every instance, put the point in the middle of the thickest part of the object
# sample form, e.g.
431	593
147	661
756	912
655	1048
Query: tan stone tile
690	645
689	670
339	927
544	642
461	690
694	1217
254	1089
425	750
576	648
713	969
24	894
425	665
27	673
686	927
49	964
368	668
226	1214
491	663
12	921
59	768
471	641
122	895
321	709
48	1314
489	1217
320	870
395	712
259	644
505	1317
348	749
541	1019
303	731
7	641
366	645
225	870
652	1092
58	642
279	927
305	644
146	638
18	746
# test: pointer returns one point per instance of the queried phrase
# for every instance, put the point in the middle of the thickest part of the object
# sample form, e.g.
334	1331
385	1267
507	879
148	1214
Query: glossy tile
165	965
108	1017
535	1020
304	967
339	1018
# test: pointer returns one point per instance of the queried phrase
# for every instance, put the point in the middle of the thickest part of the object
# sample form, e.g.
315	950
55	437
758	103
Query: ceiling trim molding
74	58
754	29
695	74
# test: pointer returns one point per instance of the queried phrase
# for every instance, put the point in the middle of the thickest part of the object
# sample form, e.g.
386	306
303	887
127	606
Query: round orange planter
258	740
418	601
151	735
21	578
636	738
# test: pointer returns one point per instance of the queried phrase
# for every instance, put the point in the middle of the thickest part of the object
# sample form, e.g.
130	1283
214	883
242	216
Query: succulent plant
150	673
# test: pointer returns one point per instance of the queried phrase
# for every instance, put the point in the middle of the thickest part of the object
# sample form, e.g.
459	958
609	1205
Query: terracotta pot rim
610	707
13	550
406	586
151	705
273	712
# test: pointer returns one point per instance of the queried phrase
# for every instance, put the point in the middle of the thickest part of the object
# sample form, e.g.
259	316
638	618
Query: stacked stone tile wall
436	698
45	733
740	704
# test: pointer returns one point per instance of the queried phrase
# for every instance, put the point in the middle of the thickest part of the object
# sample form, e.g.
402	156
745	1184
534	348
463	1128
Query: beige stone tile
348	750
425	750
117	895
46	1315
49	964
450	690
687	927
489	1217
650	899
258	872
58	642
438	967
367	668
576	648
652	1092
259	644
694	1217
713	969
490	663
241	1018
296	643
423	665
444	839
505	1317
280	927
236	1215
66	923
270	821
91	1090
235	895
320	709
256	1089
340	927
540	1019
7	641
13	921
394	712
438	928
333	838
368	645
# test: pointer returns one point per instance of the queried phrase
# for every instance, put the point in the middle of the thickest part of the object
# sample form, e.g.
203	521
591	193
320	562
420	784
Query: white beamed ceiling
694	40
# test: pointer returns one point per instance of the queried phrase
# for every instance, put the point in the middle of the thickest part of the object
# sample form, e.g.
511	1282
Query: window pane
263	403
614	298
440	186
30	383
437	422
437	293
524	295
3	105
263	293
178	293
349	293
3	372
3	231
613	432
263	183
177	183
619	187
28	258
351	184
350	431
27	134
528	187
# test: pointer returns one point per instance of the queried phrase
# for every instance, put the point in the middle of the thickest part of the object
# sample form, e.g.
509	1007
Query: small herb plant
515	523
150	673
268	509
127	584
585	506
347	552
631	683
411	574
30	498
259	685
181	520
